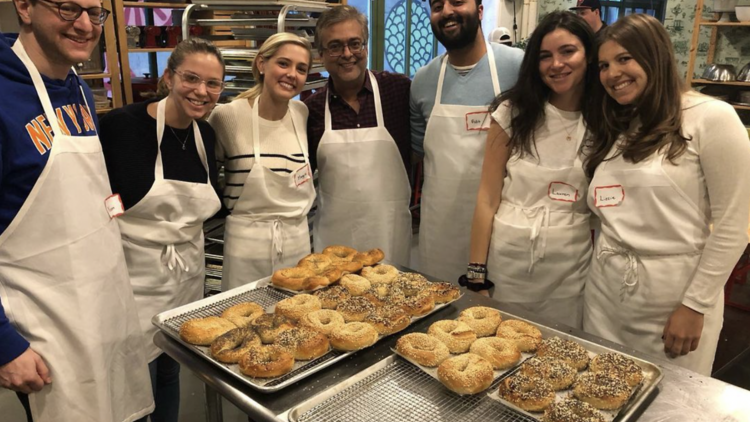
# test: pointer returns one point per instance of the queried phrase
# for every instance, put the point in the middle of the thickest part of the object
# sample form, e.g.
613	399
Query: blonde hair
269	49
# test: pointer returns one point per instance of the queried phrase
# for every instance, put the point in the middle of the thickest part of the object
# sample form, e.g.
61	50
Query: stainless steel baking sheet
259	292
498	373
396	390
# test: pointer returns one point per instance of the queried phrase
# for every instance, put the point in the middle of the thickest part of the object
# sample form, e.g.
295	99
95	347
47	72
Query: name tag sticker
302	175
114	206
559	191
609	196
478	120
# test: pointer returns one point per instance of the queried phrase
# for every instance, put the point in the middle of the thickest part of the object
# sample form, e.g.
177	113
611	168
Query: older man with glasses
70	341
359	138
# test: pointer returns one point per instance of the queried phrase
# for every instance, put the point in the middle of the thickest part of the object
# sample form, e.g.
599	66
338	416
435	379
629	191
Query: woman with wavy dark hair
531	231
671	186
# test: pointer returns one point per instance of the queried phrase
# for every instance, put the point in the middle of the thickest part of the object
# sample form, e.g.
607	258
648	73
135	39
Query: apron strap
493	73
378	108
630	277
256	133
161	109
539	228
172	258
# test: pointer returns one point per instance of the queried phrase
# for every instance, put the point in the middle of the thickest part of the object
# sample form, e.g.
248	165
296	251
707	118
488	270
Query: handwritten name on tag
608	196
302	175
478	120
114	206
559	191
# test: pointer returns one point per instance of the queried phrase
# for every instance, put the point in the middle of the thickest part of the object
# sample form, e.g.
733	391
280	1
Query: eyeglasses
70	12
337	49
193	81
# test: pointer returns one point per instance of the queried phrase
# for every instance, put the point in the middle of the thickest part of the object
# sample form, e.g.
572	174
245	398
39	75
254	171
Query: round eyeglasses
337	49
70	12
193	81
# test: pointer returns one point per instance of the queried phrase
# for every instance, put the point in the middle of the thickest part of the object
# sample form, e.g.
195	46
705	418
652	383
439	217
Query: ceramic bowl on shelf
743	13
725	7
719	73
744	75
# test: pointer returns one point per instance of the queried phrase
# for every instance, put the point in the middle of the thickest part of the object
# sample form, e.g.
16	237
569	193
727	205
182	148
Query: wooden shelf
712	23
740	107
707	82
95	75
151	50
154	5
103	110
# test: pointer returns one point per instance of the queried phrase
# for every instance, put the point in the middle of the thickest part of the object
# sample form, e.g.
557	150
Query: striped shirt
280	150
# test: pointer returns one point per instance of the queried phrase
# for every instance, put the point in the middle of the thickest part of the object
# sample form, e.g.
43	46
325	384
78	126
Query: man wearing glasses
449	122
359	138
70	342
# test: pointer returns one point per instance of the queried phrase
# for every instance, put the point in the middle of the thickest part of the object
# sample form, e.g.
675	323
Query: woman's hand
682	333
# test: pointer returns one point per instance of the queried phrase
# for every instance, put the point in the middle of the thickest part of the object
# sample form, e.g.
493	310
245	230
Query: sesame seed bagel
304	343
531	395
243	314
500	353
466	374
266	362
380	274
203	331
567	351
296	307
601	390
354	336
557	373
423	349
526	336
356	284
619	366
483	320
455	334
325	321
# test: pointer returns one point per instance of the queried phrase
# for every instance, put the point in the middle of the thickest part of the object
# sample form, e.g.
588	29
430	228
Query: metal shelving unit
715	26
239	27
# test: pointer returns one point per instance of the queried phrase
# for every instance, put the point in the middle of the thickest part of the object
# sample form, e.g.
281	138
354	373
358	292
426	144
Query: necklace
562	120
184	142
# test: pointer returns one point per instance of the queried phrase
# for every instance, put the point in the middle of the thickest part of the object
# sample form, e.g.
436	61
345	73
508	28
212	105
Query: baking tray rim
625	413
158	321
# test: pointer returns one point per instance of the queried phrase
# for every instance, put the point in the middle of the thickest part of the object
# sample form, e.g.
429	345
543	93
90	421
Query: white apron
454	144
364	189
64	285
163	240
651	242
268	229
541	239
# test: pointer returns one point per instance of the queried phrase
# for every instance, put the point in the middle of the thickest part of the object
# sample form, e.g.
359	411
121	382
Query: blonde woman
262	143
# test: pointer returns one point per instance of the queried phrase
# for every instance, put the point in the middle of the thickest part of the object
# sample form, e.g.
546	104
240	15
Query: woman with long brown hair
530	232
671	185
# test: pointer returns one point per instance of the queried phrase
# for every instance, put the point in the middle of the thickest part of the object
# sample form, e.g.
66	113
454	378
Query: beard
464	37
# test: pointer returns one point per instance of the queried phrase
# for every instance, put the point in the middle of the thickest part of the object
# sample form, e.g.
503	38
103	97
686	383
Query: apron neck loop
328	121
161	111
493	73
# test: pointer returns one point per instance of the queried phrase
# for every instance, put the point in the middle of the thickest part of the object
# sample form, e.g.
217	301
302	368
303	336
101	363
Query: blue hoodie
25	141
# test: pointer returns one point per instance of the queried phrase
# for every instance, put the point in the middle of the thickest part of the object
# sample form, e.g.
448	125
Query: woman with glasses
157	156
262	143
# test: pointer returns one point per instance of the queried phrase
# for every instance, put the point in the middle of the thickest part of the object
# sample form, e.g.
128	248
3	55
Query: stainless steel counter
682	396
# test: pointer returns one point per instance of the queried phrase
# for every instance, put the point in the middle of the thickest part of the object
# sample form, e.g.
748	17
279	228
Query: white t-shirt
553	150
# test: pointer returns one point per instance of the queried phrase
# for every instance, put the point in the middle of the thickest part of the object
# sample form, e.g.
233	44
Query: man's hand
682	332
26	374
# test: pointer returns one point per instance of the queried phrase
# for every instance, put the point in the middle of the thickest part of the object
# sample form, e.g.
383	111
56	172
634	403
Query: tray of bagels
491	365
272	332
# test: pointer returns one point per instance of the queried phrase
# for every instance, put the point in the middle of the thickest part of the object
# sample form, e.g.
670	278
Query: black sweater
128	137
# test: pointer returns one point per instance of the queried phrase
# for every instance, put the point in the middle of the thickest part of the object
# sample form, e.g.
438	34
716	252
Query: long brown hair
269	49
659	107
530	93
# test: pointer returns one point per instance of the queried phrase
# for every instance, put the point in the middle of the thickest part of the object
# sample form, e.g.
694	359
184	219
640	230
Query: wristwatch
463	281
